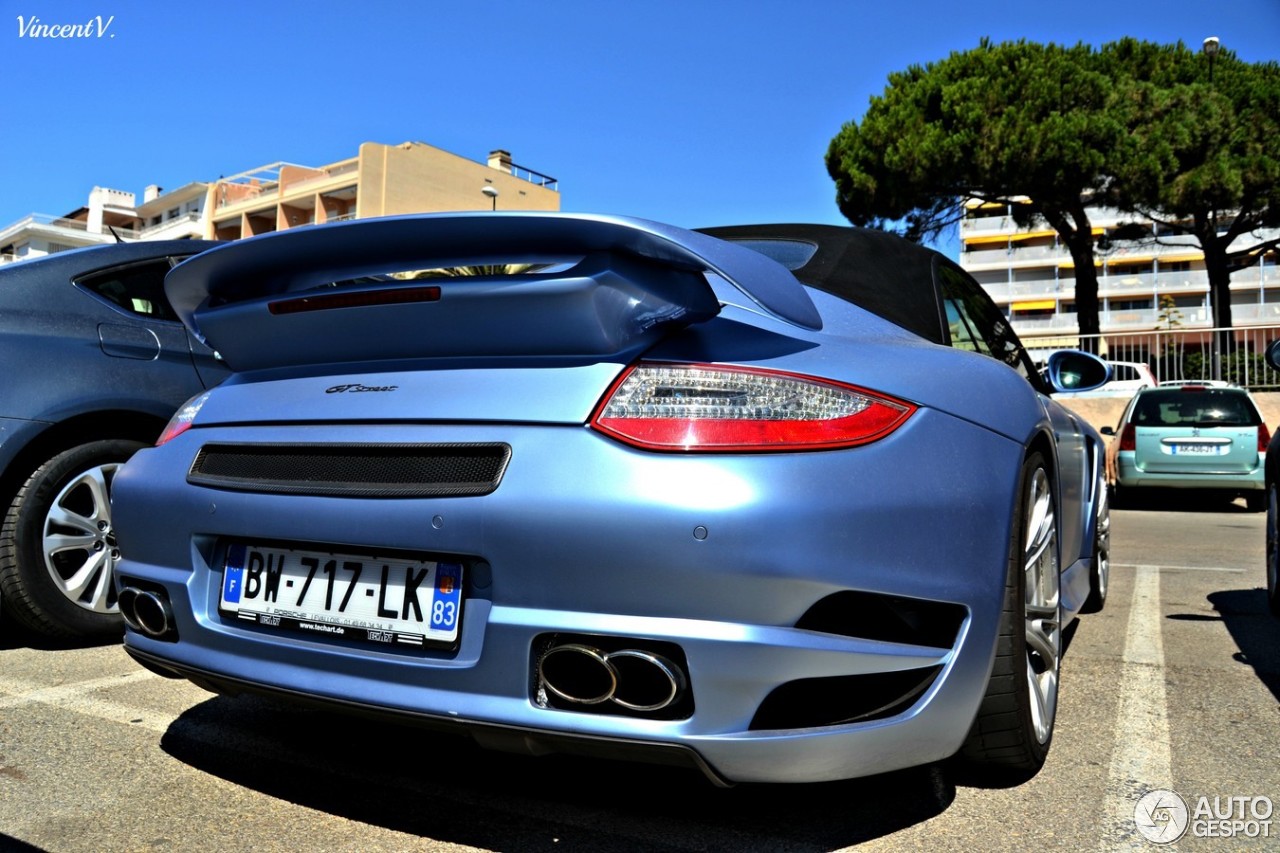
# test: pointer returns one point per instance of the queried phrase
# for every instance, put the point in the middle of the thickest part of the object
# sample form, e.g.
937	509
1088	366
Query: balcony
181	226
1129	286
57	226
1012	256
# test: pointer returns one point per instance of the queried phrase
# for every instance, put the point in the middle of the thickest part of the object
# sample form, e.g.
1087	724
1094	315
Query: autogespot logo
1162	817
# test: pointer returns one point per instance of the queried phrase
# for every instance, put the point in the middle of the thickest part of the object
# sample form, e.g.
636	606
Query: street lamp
1210	48
492	193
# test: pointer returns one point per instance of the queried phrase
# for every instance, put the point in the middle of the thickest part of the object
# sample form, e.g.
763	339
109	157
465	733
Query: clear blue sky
685	111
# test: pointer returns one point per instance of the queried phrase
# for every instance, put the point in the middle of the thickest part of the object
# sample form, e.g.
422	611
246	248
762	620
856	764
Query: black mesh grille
361	470
842	699
887	618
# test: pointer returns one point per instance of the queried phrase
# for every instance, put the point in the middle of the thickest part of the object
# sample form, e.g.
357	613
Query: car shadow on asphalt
1256	632
1182	500
444	787
12	845
12	637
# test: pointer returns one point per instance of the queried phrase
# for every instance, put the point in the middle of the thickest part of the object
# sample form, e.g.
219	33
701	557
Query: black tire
1100	570
1273	549
67	593
1012	732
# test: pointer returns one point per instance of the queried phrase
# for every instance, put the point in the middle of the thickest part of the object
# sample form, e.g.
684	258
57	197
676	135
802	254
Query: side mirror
1106	430
1073	370
1273	354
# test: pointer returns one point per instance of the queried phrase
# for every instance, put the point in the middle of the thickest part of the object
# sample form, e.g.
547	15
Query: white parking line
1181	568
1141	762
79	697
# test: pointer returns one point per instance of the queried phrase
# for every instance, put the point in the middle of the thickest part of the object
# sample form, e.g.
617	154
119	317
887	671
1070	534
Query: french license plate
392	601
1199	449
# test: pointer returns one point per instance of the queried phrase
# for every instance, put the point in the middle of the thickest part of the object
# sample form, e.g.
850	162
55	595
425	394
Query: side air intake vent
886	618
353	470
841	700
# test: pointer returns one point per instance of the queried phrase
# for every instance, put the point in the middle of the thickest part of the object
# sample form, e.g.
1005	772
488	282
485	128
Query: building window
1129	304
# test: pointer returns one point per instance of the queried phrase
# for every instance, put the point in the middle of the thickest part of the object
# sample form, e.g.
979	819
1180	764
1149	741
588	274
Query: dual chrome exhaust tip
633	679
146	612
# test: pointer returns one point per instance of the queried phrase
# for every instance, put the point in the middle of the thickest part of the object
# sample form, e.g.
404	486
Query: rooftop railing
536	178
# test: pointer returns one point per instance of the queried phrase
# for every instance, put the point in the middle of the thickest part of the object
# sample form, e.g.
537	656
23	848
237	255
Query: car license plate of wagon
1187	449
371	599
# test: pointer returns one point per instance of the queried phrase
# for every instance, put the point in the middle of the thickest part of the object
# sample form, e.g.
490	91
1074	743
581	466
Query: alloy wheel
79	543
1103	546
1042	605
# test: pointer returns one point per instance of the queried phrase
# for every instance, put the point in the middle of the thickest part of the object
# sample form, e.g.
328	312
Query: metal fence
1183	354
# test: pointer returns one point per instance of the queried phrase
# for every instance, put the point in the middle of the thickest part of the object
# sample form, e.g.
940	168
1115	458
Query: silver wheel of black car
1100	571
57	546
1273	550
1014	726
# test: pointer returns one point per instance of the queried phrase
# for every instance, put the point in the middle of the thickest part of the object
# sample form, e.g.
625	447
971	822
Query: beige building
381	180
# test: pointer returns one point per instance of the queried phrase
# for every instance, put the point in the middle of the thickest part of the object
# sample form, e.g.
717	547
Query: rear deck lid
588	287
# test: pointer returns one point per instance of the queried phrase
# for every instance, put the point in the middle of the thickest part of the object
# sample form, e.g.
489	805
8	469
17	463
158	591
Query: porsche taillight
703	407
182	419
1129	437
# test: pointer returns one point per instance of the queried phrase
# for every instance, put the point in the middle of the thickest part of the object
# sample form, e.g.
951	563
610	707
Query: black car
95	362
1273	503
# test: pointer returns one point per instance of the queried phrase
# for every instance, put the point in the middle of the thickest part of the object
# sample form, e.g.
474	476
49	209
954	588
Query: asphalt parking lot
1173	686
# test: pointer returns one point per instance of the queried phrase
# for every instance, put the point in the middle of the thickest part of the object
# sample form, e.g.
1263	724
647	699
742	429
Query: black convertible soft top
891	277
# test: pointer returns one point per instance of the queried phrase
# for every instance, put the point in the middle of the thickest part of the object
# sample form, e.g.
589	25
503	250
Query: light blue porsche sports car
781	503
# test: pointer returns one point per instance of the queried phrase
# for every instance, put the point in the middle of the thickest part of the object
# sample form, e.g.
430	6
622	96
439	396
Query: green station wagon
1192	437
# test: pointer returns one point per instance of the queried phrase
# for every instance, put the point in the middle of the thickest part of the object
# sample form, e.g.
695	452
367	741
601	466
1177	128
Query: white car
1204	383
1130	376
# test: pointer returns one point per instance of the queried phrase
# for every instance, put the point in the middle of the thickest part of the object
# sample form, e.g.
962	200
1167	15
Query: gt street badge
358	388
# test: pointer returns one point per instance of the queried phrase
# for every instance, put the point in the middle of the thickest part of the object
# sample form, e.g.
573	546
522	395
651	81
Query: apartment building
1157	281
381	180
107	216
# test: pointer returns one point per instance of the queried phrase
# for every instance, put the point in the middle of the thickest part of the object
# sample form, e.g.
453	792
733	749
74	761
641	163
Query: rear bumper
488	735
721	556
1130	476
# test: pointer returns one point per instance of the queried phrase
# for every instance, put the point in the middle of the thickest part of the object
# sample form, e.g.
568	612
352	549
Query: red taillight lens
713	408
1264	438
1129	437
183	419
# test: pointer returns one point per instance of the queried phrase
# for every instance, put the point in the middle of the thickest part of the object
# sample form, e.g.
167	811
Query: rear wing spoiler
270	301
